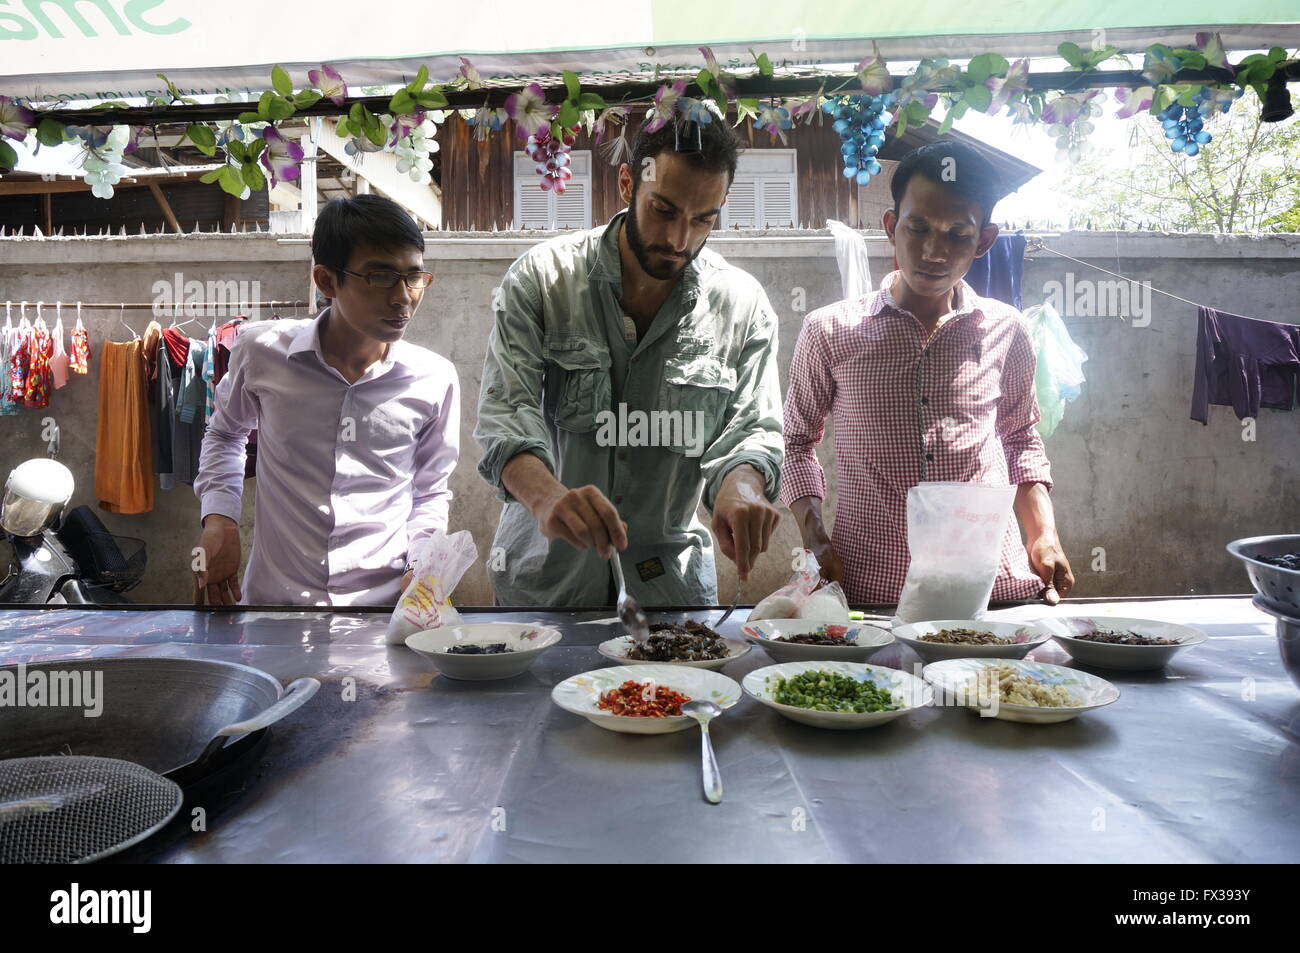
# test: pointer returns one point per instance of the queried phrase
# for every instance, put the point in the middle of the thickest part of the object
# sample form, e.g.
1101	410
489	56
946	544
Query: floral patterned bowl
955	682
580	694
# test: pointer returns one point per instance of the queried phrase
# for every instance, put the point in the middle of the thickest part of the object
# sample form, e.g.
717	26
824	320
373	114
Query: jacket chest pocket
578	368
696	392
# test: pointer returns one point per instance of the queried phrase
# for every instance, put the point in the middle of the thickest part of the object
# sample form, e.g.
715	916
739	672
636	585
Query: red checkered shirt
958	407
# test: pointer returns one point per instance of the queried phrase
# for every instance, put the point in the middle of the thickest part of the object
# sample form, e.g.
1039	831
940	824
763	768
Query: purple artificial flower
874	73
1007	89
529	110
665	102
329	82
1133	101
1067	107
471	75
15	119
281	156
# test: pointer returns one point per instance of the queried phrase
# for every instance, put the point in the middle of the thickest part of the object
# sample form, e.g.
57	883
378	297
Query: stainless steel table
1198	762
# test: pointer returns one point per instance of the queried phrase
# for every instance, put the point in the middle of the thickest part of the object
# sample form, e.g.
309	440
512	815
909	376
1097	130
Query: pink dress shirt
958	407
348	476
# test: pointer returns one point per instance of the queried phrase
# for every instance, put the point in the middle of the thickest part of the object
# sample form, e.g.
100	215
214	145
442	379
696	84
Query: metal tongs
629	610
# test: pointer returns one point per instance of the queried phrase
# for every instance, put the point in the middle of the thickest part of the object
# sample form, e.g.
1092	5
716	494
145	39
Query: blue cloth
997	274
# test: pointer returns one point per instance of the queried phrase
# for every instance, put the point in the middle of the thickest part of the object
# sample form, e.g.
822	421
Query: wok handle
299	692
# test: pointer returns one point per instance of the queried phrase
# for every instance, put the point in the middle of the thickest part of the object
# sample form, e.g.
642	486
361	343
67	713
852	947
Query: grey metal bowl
1279	588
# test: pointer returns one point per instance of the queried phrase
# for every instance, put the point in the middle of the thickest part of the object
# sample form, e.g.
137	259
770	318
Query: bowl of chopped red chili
643	699
806	640
1125	644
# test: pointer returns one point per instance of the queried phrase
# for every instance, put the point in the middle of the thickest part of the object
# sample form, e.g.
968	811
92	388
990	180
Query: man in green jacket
630	374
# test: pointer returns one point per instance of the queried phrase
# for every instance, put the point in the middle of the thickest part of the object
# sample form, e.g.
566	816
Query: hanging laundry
80	349
39	381
1244	363
8	335
226	335
1058	369
59	362
19	359
997	273
123	446
189	424
210	376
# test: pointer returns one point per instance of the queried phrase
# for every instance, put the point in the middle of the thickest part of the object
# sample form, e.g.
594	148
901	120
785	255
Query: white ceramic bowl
1026	636
580	694
866	639
1126	657
617	649
908	689
526	641
954	680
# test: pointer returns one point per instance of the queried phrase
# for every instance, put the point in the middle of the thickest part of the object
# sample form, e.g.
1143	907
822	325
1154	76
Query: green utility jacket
566	379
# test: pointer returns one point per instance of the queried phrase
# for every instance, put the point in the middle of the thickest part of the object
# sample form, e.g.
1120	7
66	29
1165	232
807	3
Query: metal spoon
704	712
740	588
629	610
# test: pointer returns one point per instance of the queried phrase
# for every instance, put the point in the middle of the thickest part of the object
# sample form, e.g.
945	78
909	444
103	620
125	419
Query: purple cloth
1244	363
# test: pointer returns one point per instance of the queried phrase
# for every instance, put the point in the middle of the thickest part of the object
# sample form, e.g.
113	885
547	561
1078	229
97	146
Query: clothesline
1037	245
138	305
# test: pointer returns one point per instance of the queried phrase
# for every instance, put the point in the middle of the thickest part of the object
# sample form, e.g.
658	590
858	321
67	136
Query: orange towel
123	443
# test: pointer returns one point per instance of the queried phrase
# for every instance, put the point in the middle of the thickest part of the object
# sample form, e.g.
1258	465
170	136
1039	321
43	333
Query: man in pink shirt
925	381
358	429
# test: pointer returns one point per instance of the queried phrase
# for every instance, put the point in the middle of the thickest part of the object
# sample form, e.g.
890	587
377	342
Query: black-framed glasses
415	280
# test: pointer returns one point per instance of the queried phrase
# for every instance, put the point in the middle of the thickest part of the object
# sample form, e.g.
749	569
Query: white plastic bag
439	562
1058	373
851	256
804	597
954	535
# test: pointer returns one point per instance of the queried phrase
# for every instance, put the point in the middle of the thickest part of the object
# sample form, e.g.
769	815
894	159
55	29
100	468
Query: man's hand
743	519
829	560
584	518
807	512
221	556
1047	559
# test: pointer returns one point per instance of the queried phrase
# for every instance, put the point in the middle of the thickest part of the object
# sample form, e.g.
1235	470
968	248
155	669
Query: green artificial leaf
171	87
1191	59
1163	99
280	81
255	149
210	177
917	111
745	108
432	98
417	84
231	180
948	119
401	103
376	133
978	97
49	131
203	137
591	101
901	126
358	115
306	98
571	84
1187	95
8	158
248	118
983	66
1276	54
112	104
281	108
237	150
253	177
763	62
704	79
568	117
264	104
1071	53
343	128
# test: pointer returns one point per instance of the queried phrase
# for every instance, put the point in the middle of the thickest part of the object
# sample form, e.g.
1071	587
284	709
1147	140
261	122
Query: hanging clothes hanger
121	317
9	325
175	315
23	323
40	321
80	326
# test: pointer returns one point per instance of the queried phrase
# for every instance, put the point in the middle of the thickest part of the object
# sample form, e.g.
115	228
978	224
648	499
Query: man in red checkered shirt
924	381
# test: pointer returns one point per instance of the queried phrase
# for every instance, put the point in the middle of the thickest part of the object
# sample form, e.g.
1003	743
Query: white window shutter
573	208
539	209
741	206
779	201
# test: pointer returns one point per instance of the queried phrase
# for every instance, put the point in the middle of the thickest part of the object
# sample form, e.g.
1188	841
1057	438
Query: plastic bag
851	256
439	562
954	535
1058	373
804	597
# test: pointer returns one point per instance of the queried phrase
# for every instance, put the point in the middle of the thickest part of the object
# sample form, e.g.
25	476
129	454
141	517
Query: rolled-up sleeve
808	400
752	431
219	484
1018	414
510	420
436	451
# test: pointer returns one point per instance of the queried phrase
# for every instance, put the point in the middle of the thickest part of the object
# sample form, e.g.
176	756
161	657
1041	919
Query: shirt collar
608	265
966	301
307	338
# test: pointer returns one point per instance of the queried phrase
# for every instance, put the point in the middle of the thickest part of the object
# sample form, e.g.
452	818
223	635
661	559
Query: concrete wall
1135	477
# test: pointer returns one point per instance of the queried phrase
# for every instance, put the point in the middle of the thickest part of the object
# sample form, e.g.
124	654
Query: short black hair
344	224
710	146
954	165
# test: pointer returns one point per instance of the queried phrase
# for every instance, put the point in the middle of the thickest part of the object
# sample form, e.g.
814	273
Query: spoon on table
740	588
629	610
704	712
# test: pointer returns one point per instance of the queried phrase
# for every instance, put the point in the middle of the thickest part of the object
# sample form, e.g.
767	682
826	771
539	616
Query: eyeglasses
415	280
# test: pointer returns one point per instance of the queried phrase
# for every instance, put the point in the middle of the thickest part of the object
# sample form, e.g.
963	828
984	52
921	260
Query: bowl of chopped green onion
842	695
